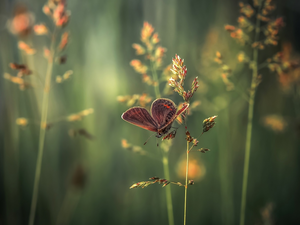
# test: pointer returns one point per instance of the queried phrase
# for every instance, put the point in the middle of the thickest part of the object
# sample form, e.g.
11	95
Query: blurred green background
99	52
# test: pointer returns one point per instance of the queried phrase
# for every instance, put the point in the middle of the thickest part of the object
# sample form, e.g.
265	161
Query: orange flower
241	20
121	98
17	80
229	28
275	122
263	18
147	30
23	46
138	66
155	38
267	7
67	74
22	122
47	10
40	29
64	40
80	115
246	10
197	169
239	35
139	49
258	45
218	58
60	15
147	79
21	23
159	52
58	79
270	41
125	144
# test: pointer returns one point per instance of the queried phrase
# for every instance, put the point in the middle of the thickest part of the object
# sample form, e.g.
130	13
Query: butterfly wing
140	117
163	111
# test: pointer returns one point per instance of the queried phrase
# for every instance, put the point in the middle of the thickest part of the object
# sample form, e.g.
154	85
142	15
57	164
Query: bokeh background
99	53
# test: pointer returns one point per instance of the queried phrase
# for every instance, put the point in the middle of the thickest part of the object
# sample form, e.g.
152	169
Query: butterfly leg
170	135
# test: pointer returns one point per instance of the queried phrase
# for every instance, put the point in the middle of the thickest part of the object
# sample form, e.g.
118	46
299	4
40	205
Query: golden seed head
22	121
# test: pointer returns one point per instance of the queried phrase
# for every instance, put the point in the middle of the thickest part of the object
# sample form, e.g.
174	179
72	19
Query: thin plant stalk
11	158
168	190
155	77
44	114
186	180
165	159
250	120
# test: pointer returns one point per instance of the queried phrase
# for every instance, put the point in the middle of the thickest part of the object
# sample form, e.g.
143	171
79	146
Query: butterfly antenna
148	139
157	143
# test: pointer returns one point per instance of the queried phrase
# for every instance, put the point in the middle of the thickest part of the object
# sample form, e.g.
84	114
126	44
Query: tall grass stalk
44	113
155	77
165	159
11	140
168	189
186	180
250	121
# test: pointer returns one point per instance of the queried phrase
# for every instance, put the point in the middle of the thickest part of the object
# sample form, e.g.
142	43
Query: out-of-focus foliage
86	173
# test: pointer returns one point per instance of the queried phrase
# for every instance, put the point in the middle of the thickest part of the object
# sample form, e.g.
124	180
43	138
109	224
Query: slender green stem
165	158
44	113
155	78
168	190
186	180
249	125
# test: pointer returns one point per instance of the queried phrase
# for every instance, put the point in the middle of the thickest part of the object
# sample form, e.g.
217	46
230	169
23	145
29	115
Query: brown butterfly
163	113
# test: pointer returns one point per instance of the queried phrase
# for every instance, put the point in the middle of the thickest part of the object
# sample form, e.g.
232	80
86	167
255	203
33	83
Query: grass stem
249	124
44	114
165	158
155	78
168	190
186	180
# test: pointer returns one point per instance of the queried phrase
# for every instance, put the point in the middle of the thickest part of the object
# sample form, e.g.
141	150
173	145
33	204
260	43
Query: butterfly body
163	113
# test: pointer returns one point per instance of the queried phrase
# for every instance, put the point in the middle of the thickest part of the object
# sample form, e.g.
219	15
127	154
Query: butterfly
163	113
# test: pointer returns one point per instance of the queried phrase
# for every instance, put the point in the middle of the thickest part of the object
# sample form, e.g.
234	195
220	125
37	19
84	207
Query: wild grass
258	30
22	25
175	81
